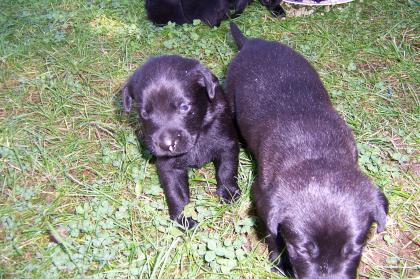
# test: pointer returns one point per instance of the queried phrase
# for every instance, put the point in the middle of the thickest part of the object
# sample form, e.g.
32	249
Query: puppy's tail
239	38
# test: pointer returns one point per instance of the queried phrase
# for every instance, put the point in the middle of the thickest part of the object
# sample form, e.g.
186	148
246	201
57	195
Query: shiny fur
309	192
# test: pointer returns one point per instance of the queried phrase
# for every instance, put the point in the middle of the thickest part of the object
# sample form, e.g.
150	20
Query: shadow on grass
131	120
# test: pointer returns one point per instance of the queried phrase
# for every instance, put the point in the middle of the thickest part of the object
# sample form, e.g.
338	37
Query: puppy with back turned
186	123
309	190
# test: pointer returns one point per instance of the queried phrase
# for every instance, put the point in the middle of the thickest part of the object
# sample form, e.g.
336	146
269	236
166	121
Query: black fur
211	12
187	123
309	191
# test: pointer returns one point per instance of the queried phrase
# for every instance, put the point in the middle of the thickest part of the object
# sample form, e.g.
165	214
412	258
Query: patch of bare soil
34	97
48	194
394	251
372	65
82	175
8	84
2	113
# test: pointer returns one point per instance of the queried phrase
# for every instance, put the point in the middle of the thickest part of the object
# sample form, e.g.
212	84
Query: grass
80	196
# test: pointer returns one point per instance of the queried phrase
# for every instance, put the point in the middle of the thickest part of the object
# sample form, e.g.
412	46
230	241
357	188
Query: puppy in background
309	191
187	123
211	12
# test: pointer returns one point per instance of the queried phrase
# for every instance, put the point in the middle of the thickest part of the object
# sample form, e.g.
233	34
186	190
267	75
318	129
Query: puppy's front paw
278	267
186	222
228	194
281	264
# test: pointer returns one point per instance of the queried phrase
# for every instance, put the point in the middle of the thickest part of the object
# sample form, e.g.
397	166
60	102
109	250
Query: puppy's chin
160	153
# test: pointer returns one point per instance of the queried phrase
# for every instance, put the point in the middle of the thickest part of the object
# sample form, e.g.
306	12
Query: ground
80	196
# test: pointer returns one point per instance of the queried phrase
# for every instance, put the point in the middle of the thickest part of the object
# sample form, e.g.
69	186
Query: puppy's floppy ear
380	210
271	207
127	98
206	79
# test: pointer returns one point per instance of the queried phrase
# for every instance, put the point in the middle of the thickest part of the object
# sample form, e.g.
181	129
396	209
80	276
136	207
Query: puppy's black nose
168	141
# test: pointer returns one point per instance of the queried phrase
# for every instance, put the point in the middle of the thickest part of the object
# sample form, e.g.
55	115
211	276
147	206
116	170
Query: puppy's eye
349	250
309	249
184	107
312	249
144	114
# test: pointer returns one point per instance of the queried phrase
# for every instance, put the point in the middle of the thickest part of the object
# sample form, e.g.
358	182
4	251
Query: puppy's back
283	80
277	93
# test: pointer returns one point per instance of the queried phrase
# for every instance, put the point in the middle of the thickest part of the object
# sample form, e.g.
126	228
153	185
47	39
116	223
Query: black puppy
309	191
211	12
187	123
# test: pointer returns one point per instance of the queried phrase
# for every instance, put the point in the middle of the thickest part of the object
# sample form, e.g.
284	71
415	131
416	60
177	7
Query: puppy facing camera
309	192
186	123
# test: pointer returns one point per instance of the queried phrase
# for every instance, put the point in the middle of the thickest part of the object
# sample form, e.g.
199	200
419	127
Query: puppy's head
174	97
325	225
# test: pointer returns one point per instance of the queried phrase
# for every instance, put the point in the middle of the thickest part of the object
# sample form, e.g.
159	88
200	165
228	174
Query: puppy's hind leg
274	7
175	184
237	7
226	174
278	11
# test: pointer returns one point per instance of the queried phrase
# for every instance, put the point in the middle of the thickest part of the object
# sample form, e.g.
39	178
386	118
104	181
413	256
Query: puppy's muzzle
172	142
168	140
